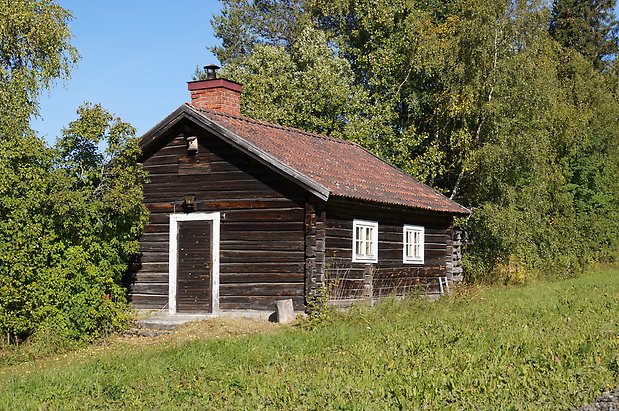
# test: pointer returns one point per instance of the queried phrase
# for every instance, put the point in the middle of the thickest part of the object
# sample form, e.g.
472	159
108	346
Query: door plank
194	268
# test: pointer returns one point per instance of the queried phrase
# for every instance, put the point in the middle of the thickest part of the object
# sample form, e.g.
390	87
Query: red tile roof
344	168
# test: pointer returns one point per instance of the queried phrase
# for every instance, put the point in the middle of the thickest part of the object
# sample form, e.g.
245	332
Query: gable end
152	138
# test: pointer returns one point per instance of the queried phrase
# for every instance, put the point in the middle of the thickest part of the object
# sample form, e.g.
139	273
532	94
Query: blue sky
137	56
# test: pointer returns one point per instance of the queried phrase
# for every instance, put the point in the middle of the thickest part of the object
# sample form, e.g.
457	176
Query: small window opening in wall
413	244
365	241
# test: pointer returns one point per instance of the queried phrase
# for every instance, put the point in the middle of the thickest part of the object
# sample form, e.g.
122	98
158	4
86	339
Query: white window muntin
413	244
365	241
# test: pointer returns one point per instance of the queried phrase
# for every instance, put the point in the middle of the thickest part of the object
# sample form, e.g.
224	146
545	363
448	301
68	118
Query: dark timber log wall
315	226
390	274
262	225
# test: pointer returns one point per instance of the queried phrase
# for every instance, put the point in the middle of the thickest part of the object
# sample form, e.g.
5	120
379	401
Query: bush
69	223
317	308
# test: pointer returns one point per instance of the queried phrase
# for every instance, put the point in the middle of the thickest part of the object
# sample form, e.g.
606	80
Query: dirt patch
26	361
212	328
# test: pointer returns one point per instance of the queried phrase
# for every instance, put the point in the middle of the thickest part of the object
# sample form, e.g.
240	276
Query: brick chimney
215	93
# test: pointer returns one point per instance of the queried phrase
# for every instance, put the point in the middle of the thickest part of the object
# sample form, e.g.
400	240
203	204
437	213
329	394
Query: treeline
509	107
70	215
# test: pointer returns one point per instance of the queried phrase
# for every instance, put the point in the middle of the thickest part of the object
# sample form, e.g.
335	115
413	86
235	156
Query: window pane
374	243
413	244
364	240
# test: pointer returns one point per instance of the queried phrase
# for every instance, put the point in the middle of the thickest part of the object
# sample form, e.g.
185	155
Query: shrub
317	308
69	222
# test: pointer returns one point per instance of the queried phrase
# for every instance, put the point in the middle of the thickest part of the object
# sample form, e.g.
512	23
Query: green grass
544	346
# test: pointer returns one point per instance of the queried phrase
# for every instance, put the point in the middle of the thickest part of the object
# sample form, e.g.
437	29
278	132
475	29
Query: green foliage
587	26
304	85
543	210
70	219
35	50
244	24
317	308
550	346
475	98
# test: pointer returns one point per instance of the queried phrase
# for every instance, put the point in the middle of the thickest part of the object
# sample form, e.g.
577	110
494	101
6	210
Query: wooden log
260	256
147	246
154	257
148	301
154	267
142	277
261	289
260	226
259	277
262	267
256	302
163	159
150	288
265	235
263	246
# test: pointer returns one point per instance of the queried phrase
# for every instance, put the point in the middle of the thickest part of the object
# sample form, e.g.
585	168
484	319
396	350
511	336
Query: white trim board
373	241
173	257
422	247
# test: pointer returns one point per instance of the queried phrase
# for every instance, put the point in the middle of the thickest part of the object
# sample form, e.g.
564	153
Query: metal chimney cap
211	71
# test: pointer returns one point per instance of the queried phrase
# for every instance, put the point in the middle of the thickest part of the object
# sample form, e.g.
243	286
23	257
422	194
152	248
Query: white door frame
173	256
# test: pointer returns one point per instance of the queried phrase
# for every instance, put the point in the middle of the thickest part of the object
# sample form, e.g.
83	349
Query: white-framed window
413	241
365	241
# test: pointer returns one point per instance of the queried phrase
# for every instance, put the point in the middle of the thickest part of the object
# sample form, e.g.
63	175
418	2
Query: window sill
364	261
417	262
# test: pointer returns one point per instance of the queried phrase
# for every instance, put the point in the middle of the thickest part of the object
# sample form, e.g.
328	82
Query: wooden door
194	267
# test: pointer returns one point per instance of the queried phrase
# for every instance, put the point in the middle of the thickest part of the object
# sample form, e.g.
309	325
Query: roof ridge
273	125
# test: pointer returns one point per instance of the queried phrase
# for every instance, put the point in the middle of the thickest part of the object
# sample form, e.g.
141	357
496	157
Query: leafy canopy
35	50
69	223
489	102
587	26
70	216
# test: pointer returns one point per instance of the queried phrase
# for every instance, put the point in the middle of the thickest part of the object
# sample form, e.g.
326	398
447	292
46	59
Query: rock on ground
607	401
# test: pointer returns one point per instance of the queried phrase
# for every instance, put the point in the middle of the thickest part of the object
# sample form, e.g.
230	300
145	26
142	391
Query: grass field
544	346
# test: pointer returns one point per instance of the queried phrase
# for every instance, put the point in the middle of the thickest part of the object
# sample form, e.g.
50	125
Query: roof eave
460	212
151	136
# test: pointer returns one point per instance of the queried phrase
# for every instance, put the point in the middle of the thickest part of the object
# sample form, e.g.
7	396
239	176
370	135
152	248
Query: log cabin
244	213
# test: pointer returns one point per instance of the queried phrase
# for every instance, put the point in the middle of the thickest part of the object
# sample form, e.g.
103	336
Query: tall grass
545	346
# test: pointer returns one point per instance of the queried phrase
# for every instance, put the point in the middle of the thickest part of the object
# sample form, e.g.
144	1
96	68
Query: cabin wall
355	280
262	247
